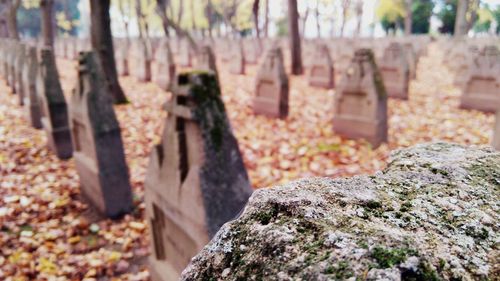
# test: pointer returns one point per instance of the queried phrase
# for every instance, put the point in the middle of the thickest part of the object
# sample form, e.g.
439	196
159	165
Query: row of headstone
86	130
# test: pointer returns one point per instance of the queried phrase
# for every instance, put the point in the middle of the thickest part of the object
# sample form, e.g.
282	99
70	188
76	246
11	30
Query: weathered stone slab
99	155
29	77
427	216
185	54
411	59
237	59
11	61
206	60
53	106
360	109
142	61
395	71
252	51
271	86
164	66
321	68
482	89
196	180
122	59
19	65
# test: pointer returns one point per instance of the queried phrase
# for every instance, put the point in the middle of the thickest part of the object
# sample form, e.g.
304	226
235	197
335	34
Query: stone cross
196	180
360	108
321	68
395	71
99	155
164	74
53	106
271	86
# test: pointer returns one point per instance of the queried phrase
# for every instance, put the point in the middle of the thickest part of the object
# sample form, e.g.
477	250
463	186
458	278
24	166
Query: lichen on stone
432	214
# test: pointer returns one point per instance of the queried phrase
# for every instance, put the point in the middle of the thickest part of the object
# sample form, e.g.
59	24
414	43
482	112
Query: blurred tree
466	16
447	15
294	37
102	43
484	20
391	14
408	4
359	16
496	16
346	4
47	9
422	12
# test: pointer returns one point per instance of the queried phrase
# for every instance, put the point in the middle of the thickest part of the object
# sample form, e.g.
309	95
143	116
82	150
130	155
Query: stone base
58	140
270	108
118	198
397	93
375	132
33	114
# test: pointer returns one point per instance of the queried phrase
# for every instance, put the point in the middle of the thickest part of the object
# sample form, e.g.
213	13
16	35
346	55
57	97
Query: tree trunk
293	26
102	43
47	8
161	10
345	8
13	5
180	12
209	11
255	12
318	25
266	20
460	21
125	22
359	17
409	17
304	21
193	21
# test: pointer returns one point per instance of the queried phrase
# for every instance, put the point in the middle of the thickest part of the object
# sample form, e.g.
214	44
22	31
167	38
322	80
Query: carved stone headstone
360	109
53	106
99	156
196	180
19	66
321	68
411	58
165	66
122	59
482	88
271	86
185	54
206	60
252	50
31	103
237	59
395	71
143	62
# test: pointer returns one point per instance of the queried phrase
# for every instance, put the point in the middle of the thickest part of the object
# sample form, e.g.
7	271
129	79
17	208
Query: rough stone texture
164	74
360	108
321	69
196	180
432	214
99	156
482	88
496	132
53	106
395	71
31	103
271	86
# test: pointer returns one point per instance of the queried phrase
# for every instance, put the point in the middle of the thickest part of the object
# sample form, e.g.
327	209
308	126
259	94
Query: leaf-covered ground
47	231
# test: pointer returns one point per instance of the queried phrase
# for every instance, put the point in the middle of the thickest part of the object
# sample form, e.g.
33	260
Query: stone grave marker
12	58
271	86
97	142
31	103
321	68
53	106
237	60
19	66
196	180
164	74
360	108
411	59
482	88
122	58
395	71
206	60
185	54
142	61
